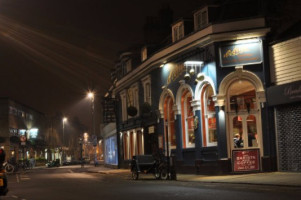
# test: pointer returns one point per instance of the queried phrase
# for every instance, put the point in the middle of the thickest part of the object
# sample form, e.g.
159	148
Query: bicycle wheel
9	168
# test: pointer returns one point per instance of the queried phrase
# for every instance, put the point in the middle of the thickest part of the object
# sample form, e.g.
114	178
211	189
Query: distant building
21	130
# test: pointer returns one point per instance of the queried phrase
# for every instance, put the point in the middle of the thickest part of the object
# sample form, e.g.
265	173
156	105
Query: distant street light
64	121
91	97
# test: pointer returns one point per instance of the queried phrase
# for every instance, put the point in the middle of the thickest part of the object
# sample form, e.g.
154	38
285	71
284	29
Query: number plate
1	182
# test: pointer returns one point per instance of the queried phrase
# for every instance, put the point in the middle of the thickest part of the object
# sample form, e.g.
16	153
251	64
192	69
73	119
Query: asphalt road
72	183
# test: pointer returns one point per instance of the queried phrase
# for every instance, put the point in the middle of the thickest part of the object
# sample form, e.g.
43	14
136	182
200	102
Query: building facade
285	97
203	99
21	130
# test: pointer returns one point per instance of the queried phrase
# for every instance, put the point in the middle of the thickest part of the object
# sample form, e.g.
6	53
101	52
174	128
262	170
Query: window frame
199	20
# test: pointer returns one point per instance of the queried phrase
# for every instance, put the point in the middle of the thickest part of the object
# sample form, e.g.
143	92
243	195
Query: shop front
285	100
241	101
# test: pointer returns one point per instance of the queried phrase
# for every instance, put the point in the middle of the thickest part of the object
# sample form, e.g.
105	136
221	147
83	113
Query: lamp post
64	121
167	149
81	151
91	97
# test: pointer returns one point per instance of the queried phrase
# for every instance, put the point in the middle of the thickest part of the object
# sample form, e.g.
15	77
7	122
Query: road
73	183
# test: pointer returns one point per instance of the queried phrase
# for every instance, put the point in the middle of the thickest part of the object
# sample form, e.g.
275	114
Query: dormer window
143	54
126	66
177	31
200	19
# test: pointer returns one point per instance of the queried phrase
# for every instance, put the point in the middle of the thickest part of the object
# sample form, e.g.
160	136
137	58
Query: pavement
288	179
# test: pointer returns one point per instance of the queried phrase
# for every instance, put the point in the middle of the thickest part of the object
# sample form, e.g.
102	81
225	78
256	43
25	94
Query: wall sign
241	54
245	160
151	129
283	94
175	71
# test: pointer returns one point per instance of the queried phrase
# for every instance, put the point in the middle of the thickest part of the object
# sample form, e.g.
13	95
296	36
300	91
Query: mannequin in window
237	141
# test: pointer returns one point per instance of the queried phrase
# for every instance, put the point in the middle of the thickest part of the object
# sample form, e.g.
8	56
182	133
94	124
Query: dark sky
53	51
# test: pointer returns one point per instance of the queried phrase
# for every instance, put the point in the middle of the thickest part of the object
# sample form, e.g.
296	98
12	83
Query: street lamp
64	121
91	97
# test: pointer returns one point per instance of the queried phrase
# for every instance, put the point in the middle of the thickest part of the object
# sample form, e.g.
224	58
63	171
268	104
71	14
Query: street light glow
65	119
90	95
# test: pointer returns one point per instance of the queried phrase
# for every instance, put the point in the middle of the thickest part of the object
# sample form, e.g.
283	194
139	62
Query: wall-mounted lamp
187	77
193	63
191	71
200	77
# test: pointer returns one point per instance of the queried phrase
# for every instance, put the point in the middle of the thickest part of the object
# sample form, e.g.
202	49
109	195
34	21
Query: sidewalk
291	179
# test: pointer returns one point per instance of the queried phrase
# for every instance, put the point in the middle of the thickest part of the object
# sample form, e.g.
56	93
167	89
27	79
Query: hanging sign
244	53
245	160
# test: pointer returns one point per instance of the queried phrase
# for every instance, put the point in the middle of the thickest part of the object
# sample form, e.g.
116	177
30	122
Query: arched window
243	114
187	120
169	122
208	117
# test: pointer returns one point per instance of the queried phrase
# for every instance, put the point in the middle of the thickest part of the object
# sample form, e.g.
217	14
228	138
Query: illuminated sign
33	133
245	160
243	53
174	72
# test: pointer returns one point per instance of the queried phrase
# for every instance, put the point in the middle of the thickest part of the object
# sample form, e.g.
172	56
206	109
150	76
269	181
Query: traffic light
2	155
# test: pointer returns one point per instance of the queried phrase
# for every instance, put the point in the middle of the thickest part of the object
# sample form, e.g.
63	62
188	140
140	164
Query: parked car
54	163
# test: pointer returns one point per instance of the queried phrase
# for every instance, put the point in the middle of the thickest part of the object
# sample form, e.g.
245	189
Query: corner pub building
204	91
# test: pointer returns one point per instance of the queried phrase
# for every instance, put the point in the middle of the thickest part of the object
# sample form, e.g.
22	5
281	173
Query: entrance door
244	122
243	127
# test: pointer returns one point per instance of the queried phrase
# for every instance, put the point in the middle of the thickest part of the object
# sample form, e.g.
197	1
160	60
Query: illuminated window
187	120
140	142
244	115
169	122
208	117
143	54
126	151
242	96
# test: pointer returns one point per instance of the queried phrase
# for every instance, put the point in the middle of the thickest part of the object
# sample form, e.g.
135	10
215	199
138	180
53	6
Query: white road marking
17	177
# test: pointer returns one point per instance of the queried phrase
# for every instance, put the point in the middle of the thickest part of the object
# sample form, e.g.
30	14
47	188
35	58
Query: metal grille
289	137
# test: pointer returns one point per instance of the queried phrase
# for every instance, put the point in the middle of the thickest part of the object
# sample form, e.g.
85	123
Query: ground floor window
133	143
111	151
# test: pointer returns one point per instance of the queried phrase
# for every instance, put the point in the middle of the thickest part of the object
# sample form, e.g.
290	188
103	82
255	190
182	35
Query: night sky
53	51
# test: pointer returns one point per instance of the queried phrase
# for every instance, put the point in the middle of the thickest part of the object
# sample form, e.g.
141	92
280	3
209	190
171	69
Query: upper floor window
128	65
123	105
133	97
143	54
177	31
200	19
13	110
146	82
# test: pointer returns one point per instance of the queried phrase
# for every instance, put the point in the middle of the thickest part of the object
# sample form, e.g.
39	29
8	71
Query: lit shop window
169	122
208	117
242	96
187	120
126	147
